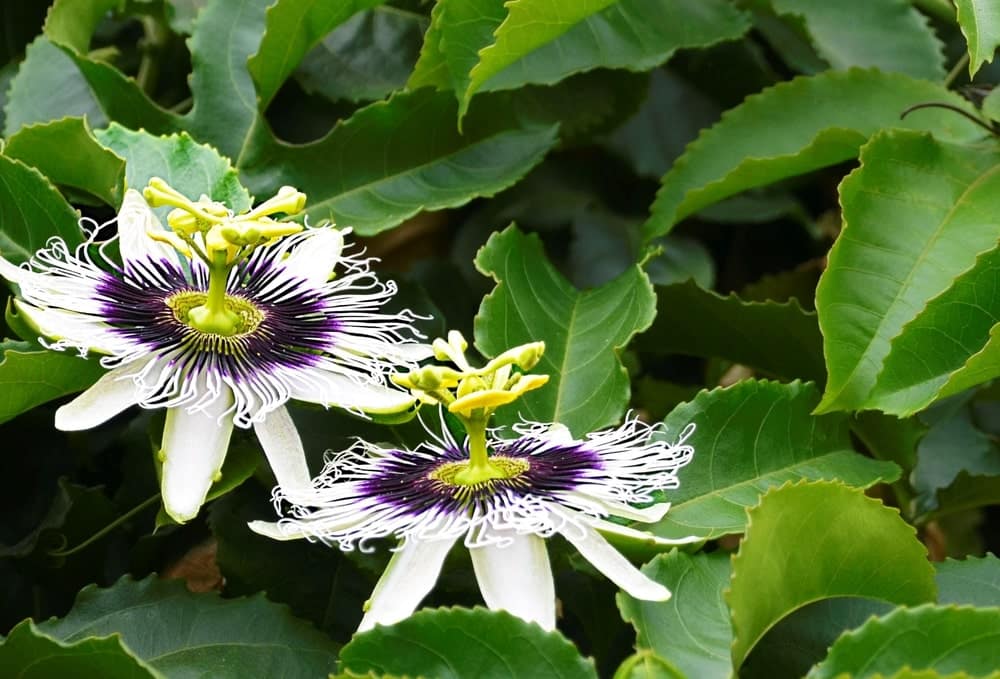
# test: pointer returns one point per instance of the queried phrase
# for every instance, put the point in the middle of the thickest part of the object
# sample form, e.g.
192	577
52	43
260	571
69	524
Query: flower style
220	320
548	482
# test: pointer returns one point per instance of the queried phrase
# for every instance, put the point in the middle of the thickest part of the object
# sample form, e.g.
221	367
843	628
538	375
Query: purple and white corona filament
550	483
295	334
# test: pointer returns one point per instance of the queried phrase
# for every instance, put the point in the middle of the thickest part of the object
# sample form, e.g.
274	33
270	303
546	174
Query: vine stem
107	529
956	69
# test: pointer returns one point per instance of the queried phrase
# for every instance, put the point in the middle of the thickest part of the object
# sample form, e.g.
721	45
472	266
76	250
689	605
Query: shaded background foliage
679	172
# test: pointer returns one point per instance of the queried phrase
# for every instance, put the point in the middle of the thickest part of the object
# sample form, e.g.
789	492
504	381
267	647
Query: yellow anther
528	383
492	398
268	228
287	200
456	340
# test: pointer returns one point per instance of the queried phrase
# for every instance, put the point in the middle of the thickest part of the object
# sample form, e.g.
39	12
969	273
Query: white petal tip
270	529
180	513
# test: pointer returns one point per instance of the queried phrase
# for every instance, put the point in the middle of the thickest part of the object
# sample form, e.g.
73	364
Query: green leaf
588	386
69	155
492	643
953	445
797	127
846	544
234	637
72	22
225	114
293	28
28	653
49	86
980	23
362	175
691	629
945	639
889	35
31	378
191	168
777	338
750	437
646	665
936	193
366	58
31	212
973	581
544	41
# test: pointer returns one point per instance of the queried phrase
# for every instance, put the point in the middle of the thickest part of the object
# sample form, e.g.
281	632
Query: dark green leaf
846	544
794	128
196	633
366	58
69	155
973	581
779	339
945	639
691	630
889	35
489	644
361	174
588	386
31	212
873	308
753	436
28	653
293	28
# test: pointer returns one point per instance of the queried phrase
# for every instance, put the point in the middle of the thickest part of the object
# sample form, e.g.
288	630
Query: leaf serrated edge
734	570
659	225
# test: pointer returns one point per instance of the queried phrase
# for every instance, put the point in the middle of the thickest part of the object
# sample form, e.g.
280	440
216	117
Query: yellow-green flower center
245	317
466	476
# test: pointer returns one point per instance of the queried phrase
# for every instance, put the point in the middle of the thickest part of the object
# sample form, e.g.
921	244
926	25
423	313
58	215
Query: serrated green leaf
364	176
191	168
181	14
889	35
753	436
68	154
980	23
234	637
690	630
31	378
588	386
28	653
944	639
797	127
49	86
72	22
936	193
493	643
846	544
293	28
777	338
543	41
366	58
973	581
31	212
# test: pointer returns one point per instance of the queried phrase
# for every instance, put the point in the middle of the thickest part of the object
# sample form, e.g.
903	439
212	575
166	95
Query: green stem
107	529
959	66
478	455
213	316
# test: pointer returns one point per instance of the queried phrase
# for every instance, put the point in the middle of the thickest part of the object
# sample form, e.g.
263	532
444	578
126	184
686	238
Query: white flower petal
407	579
607	527
650	514
615	567
135	220
316	256
275	531
517	578
332	389
107	397
194	447
16	274
79	330
406	352
283	448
